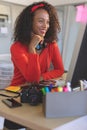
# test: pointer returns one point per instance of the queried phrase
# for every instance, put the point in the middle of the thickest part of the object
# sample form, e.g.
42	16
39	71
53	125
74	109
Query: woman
35	45
37	23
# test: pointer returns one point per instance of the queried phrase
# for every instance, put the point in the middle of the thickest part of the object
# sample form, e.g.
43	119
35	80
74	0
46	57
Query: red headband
36	7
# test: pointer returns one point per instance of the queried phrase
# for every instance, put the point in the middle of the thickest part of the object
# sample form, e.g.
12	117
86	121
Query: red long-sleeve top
29	67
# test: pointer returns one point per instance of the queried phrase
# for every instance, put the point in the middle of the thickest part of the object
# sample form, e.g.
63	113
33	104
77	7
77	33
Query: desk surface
31	116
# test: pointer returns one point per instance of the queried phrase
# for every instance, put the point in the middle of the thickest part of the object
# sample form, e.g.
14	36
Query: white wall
12	11
5	37
15	11
71	32
54	2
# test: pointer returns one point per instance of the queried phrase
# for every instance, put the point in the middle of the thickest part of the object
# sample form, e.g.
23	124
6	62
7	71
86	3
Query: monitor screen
78	66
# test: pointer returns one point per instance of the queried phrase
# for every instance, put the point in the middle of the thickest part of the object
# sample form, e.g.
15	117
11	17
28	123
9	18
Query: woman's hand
34	42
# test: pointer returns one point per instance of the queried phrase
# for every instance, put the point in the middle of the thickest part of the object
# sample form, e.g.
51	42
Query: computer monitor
78	66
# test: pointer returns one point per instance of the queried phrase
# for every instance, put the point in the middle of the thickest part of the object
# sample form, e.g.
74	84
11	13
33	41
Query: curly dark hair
23	24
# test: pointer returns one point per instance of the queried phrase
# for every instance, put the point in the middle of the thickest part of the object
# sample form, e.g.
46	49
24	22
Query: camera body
32	95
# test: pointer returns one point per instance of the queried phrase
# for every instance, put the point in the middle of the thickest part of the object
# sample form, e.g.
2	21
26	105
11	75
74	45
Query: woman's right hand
34	42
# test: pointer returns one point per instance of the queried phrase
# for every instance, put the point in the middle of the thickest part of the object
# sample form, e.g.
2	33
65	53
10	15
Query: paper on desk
13	88
77	124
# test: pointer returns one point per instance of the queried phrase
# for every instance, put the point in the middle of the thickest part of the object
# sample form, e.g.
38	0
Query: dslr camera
32	95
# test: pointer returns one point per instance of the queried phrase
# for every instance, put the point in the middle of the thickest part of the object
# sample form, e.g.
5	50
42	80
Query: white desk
32	117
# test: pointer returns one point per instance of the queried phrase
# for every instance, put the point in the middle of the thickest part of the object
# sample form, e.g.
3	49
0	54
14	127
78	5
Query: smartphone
12	103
